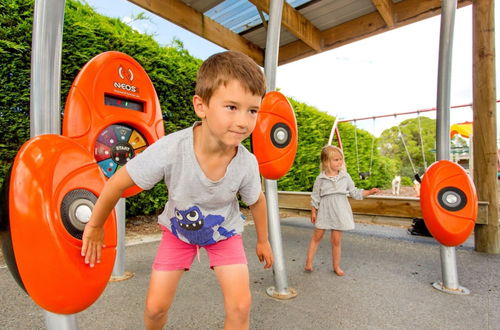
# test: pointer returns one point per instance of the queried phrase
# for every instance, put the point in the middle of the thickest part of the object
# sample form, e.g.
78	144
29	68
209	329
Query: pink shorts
174	254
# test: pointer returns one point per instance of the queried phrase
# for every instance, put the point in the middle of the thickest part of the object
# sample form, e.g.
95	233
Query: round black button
122	152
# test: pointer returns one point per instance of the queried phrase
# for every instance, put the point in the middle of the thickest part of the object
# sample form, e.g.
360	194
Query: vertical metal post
119	267
45	92
119	273
444	79
280	290
447	253
59	321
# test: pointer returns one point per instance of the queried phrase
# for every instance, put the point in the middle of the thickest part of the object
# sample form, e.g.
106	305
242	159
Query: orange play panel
54	184
275	137
449	202
113	111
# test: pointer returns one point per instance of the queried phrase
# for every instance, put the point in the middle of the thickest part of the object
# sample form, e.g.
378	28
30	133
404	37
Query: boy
204	167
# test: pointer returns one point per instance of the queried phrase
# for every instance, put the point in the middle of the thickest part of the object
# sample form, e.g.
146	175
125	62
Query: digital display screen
123	103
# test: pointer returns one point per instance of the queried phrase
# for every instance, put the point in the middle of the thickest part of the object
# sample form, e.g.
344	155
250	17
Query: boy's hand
265	253
374	191
92	238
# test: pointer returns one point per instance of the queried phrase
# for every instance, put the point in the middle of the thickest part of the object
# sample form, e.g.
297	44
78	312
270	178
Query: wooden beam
180	14
294	22
385	9
487	237
386	206
404	13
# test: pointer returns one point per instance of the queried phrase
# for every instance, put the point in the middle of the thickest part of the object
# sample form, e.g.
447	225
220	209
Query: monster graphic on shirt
197	228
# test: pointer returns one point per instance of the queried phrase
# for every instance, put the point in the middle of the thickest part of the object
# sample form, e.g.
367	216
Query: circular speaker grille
280	135
76	209
452	198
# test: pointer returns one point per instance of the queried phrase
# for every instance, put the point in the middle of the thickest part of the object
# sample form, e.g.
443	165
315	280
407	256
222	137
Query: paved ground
387	286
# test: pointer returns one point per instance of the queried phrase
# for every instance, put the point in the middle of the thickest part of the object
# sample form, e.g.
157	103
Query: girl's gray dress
329	197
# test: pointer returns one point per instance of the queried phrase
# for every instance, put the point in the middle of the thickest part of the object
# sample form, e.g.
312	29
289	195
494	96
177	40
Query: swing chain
406	149
356	145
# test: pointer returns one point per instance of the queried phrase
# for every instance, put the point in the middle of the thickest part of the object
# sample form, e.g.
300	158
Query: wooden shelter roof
308	26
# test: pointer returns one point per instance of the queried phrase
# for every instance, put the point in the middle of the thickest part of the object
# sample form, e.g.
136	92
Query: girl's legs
161	293
313	246
336	239
235	284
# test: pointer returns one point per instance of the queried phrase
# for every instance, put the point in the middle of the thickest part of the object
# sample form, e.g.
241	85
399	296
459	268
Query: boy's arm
93	234
259	214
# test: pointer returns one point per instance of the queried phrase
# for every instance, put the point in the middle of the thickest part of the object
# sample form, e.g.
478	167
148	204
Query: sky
390	73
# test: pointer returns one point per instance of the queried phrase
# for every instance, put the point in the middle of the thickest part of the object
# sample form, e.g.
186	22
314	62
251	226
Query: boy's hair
327	153
223	67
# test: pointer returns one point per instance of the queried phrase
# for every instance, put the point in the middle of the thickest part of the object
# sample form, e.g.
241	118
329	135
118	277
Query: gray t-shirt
199	211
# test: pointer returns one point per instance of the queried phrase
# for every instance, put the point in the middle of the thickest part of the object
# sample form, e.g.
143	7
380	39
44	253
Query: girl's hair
219	69
327	153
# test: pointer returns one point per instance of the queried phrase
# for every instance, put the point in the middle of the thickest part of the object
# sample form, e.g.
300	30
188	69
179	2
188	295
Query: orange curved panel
449	202
275	137
49	172
112	89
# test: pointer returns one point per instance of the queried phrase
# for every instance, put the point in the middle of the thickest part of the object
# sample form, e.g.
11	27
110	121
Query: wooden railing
384	206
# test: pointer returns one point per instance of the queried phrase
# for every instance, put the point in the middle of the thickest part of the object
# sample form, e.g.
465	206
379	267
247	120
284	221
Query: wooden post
487	237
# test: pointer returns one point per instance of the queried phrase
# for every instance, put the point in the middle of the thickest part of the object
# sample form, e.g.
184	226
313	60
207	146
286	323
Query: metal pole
447	253
280	289
45	92
59	321
444	79
119	273
119	267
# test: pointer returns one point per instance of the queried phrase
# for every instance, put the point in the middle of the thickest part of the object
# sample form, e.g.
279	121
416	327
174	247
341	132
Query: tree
392	145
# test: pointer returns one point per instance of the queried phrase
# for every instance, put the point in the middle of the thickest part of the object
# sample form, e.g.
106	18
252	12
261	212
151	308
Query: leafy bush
406	181
16	19
86	34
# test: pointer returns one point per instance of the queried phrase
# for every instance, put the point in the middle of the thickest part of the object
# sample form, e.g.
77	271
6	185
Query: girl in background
330	207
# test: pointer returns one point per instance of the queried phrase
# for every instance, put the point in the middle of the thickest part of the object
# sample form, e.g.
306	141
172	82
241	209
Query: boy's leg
336	239
172	259
161	293
235	285
313	246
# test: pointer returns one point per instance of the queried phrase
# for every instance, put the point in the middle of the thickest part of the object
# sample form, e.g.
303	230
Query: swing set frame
335	130
336	133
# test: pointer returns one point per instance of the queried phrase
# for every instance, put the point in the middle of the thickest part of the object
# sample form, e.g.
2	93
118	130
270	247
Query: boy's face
231	113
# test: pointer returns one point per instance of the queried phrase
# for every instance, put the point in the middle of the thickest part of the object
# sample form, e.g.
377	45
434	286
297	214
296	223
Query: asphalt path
387	286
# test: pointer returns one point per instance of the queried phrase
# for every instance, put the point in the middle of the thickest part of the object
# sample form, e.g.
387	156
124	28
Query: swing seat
364	175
